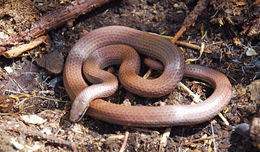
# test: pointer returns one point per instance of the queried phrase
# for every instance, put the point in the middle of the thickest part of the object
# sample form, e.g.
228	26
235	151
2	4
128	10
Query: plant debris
229	30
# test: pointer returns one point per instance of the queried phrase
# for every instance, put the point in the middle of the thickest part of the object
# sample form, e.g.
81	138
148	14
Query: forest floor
29	87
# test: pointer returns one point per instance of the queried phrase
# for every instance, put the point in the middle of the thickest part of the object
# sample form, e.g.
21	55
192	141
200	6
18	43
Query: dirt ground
30	84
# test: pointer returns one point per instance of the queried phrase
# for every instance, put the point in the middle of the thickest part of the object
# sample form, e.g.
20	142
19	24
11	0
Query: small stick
197	99
25	47
223	119
196	140
61	16
165	136
191	18
192	46
36	133
182	43
178	34
124	142
213	134
55	19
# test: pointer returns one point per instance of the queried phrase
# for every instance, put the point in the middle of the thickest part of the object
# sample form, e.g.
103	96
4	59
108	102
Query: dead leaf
241	3
33	119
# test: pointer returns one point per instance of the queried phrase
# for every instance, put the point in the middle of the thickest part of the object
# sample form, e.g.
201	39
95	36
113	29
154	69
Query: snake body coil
149	45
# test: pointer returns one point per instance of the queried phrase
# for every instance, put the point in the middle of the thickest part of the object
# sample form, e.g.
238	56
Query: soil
31	83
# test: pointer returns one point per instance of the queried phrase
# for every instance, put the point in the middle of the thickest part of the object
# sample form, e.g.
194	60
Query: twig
178	34
25	47
196	140
192	46
213	134
61	16
55	19
197	99
185	44
48	22
124	142
165	136
36	133
191	18
223	119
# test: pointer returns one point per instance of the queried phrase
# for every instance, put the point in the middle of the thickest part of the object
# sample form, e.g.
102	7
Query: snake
97	50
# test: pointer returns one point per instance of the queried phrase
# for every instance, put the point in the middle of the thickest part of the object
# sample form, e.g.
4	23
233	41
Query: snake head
78	109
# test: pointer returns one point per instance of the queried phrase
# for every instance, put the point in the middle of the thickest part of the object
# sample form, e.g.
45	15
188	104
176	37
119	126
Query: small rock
254	89
250	52
52	62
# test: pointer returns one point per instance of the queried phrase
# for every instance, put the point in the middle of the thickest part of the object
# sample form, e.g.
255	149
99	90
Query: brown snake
99	46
